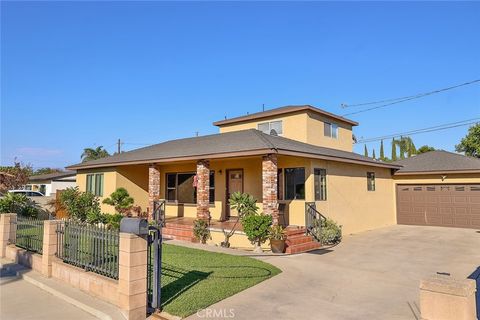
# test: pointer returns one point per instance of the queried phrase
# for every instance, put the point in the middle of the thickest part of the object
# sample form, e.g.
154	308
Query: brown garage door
443	205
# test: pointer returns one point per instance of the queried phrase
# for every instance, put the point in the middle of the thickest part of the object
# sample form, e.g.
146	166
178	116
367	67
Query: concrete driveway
370	275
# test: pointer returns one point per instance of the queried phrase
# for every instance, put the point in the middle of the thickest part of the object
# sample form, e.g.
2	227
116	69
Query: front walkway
371	275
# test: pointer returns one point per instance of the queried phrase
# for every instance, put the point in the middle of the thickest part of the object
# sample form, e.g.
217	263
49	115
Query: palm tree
92	154
406	146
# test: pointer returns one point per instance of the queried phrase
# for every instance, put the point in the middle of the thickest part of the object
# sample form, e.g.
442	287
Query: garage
438	188
445	205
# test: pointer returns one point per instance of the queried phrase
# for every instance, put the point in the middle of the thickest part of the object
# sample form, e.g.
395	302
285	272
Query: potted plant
201	231
256	228
277	238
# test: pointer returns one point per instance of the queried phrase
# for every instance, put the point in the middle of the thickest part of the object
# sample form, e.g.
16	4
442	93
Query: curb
96	313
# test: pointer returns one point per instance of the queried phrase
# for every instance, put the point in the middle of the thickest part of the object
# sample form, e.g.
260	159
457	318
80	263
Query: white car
28	193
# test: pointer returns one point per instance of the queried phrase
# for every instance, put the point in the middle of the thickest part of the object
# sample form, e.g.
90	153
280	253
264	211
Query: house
438	188
49	183
285	158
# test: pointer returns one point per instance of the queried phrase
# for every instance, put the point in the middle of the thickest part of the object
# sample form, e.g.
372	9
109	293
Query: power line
389	102
423	130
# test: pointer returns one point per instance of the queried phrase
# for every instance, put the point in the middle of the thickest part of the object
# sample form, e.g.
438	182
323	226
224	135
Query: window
330	130
273	127
320	184
294	184
95	184
180	187
371	181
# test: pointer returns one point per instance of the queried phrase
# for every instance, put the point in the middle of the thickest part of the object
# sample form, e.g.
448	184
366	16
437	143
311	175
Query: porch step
298	241
304	247
178	231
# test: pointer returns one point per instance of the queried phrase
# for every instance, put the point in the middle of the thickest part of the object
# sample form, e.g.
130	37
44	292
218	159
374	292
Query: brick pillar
153	188
203	189
270	186
49	245
442	297
132	276
7	231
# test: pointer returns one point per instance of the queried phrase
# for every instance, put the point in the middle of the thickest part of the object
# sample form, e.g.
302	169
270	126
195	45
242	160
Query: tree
14	177
120	200
365	151
45	170
79	204
373	154
382	153
470	144
93	154
406	146
424	149
394	150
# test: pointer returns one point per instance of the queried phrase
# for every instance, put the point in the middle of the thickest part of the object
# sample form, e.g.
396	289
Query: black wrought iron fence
314	221
93	248
29	234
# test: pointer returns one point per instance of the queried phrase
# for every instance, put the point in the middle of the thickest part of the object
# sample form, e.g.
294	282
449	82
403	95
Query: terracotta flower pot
277	246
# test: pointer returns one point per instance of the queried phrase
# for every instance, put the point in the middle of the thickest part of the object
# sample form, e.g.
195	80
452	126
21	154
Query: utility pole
119	143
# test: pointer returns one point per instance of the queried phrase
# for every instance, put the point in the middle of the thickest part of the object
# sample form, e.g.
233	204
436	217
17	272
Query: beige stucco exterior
303	126
348	201
437	178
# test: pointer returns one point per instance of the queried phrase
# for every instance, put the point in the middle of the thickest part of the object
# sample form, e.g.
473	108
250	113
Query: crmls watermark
216	313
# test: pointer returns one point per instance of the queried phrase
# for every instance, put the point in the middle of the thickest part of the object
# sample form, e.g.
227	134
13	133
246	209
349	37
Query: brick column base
49	245
153	188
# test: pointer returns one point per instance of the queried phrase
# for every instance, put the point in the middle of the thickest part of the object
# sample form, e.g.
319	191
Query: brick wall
269	186
153	188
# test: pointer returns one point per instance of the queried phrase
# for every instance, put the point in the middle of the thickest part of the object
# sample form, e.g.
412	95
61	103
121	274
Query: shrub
329	233
120	200
79	204
113	220
19	204
244	203
256	227
277	232
201	230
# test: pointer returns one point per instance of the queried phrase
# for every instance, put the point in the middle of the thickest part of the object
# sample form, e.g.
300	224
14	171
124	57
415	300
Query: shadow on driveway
476	276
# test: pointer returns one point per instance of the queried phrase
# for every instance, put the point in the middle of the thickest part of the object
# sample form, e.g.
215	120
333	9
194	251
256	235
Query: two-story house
285	158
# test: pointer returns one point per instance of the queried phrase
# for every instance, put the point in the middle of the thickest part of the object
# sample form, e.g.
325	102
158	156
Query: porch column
270	186
153	188
203	189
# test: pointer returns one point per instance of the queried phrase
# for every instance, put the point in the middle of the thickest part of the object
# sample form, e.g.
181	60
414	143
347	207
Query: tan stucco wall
350	203
303	126
109	184
437	178
315	133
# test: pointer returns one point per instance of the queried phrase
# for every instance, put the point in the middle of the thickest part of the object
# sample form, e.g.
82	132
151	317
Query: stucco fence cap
447	285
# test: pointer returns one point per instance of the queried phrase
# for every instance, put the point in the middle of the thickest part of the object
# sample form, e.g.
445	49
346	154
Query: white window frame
270	126
333	130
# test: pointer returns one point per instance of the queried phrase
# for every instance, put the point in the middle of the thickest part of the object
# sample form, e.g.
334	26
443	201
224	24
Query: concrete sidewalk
25	294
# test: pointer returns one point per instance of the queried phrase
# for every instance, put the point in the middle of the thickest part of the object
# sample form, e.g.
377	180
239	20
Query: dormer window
330	130
274	128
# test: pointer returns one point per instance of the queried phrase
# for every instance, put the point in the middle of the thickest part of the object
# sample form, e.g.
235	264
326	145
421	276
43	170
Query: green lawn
194	279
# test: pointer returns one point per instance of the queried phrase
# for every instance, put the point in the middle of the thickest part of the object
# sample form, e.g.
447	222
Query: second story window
330	130
273	127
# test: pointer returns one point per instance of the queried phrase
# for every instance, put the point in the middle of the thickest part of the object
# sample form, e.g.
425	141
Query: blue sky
77	75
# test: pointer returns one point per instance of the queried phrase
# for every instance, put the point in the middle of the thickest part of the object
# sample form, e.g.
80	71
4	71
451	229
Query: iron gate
154	257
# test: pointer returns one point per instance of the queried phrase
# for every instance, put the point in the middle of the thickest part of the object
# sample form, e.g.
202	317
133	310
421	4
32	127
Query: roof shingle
438	161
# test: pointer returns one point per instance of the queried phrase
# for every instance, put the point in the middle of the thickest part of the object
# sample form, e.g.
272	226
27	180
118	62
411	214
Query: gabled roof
224	145
284	110
438	161
52	176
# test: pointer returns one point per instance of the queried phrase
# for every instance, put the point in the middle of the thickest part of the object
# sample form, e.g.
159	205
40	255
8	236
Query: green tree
45	170
79	204
424	149
14	177
394	150
93	154
470	144
406	146
365	151
120	200
382	152
373	154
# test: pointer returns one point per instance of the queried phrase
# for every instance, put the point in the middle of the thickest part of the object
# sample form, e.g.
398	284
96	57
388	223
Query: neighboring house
284	157
49	183
438	188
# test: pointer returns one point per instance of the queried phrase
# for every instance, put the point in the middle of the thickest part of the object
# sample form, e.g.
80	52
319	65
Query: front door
234	184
